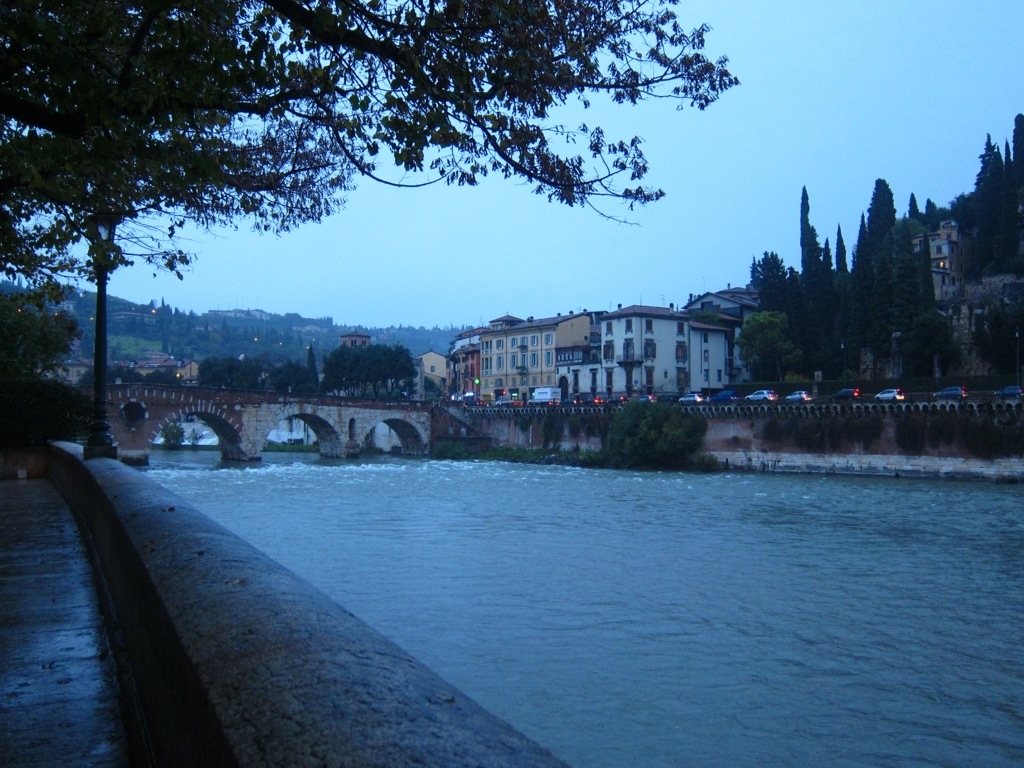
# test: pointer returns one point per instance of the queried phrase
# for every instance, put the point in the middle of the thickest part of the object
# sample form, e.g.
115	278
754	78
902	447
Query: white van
546	396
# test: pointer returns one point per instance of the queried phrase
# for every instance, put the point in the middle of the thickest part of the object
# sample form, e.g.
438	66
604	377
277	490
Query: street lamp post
101	442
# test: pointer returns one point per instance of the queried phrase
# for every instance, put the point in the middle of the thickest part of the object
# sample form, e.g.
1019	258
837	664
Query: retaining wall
229	659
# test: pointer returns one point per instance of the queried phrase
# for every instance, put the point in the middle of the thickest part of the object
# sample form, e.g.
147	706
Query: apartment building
519	355
640	351
464	365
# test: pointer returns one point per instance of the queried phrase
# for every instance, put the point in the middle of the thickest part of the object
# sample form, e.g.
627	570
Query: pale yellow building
431	381
517	355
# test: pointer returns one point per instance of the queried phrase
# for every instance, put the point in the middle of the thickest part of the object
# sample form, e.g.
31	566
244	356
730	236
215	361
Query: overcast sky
833	95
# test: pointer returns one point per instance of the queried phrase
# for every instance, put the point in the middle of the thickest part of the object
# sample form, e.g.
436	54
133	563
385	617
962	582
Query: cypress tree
311	373
1009	239
881	214
913	212
883	295
862	276
988	200
1018	150
841	267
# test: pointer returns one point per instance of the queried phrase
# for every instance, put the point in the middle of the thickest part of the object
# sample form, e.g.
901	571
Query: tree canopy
33	340
152	114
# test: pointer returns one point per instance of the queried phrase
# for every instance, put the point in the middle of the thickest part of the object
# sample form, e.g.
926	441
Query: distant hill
135	331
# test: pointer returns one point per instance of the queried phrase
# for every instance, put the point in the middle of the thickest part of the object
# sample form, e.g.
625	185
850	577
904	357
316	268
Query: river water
656	619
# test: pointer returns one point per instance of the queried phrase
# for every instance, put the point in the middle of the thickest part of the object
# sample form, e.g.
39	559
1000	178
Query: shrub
653	436
38	410
173	434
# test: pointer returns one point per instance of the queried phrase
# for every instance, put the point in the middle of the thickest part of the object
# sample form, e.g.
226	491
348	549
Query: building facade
431	376
517	355
948	250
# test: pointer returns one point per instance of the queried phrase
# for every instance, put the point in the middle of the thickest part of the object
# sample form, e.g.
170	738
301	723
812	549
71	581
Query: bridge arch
228	436
328	439
412	441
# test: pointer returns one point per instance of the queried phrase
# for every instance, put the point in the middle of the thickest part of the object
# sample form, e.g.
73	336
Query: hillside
135	331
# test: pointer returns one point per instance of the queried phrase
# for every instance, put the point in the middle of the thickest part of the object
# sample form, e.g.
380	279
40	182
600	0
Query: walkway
58	690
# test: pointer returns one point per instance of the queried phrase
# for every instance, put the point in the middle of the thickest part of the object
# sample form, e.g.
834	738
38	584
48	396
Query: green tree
862	278
232	373
930	342
763	344
172	434
34	340
653	436
768	276
207	112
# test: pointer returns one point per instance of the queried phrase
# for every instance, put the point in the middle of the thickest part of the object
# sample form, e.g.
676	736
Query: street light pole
101	443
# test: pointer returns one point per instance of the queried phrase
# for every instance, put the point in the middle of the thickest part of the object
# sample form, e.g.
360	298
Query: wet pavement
58	689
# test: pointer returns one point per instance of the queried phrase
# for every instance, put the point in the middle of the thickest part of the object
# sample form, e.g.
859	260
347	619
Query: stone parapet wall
1002	470
235	661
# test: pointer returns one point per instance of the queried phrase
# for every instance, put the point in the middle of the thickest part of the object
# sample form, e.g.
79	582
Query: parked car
691	398
800	396
1011	392
890	395
847	393
951	393
724	396
762	395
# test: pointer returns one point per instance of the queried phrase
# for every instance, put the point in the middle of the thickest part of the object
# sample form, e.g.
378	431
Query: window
547	357
648	326
497	382
533	341
549	338
650	349
499	362
593	379
649	377
499	344
609	350
433	369
680	329
707	375
629	325
487	346
707	355
608	378
627	349
680	351
681	379
608	327
533	359
719	375
522	342
705	338
513	361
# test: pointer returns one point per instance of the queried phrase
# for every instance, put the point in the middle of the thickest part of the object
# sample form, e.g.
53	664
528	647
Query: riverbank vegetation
636	436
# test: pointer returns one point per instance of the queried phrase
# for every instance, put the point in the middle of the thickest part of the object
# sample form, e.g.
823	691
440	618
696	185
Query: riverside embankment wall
861	438
229	659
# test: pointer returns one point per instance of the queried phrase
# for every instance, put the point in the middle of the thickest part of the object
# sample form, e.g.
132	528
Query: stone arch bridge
242	420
